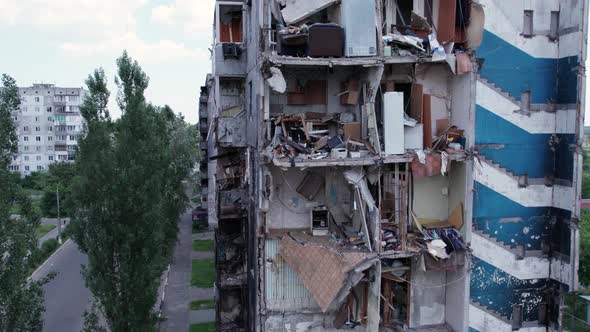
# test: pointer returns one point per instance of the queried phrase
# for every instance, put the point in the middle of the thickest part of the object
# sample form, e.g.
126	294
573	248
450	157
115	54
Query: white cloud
158	52
67	18
195	16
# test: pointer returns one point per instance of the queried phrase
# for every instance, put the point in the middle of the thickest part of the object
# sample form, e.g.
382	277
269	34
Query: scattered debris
277	81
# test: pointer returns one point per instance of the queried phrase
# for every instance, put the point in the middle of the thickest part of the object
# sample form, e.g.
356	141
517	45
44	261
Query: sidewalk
176	306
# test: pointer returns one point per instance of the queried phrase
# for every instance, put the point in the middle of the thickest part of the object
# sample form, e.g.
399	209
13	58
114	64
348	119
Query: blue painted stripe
515	71
471	329
523	153
508	221
499	291
514	224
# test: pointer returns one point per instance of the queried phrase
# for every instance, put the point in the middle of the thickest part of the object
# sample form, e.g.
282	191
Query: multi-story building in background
395	165
48	125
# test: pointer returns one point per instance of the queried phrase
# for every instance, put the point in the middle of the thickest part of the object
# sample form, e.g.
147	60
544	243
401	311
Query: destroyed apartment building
349	147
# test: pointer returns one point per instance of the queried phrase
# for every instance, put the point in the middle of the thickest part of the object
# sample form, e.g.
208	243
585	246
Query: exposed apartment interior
341	163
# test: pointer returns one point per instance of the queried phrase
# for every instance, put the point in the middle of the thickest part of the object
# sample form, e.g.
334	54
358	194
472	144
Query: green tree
62	175
21	300
128	196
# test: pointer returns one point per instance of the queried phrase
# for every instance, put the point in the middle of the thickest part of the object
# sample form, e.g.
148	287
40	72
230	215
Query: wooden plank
365	304
387	296
456	217
427	140
447	11
416	102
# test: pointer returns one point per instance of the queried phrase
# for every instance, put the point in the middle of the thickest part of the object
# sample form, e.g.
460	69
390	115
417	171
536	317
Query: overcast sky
62	41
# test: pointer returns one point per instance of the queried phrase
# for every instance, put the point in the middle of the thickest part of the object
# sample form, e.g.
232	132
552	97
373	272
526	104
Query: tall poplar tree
21	300
128	196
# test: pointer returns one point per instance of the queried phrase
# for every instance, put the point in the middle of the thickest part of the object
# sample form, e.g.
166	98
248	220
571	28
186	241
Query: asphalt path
66	296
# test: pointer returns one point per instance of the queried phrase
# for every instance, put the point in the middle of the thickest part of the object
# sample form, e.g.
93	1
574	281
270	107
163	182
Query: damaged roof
328	270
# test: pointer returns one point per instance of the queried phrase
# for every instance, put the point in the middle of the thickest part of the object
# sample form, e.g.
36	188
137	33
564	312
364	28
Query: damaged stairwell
519	190
535	118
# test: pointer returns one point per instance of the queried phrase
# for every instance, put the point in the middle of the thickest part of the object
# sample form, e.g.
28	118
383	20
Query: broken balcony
232	203
231	309
395	209
229	58
348	116
230	257
343	32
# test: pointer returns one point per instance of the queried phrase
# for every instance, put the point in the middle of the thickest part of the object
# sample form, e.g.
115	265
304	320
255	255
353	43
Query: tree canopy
129	195
21	300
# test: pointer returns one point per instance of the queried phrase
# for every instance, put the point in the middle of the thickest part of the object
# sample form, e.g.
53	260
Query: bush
47	249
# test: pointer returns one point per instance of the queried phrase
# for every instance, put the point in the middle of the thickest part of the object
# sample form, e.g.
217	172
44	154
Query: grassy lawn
15	208
203	327
36	205
202	304
203	273
202	245
199	228
44	229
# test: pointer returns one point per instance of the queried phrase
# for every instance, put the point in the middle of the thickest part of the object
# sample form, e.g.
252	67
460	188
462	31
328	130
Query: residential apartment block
395	165
48	125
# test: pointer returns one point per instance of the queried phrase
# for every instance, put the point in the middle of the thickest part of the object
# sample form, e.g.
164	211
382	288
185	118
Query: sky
63	41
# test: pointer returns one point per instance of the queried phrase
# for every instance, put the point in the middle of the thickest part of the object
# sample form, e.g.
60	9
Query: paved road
66	297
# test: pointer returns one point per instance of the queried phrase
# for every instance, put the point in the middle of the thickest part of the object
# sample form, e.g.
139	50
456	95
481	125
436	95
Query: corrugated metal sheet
283	287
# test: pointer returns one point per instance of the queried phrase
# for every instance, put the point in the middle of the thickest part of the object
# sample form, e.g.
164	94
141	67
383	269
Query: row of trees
21	300
129	195
125	193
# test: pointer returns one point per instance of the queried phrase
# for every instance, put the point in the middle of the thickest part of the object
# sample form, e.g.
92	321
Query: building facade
529	136
203	129
48	126
370	170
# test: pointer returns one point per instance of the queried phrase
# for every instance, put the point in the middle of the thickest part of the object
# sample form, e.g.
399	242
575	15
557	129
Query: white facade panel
393	122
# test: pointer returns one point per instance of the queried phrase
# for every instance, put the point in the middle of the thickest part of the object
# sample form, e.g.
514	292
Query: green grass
202	304
199	228
203	273
44	229
202	245
203	327
15	208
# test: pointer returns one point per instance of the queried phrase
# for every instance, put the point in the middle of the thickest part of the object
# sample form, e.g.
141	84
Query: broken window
403	14
527	25
231	124
395	276
230	23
